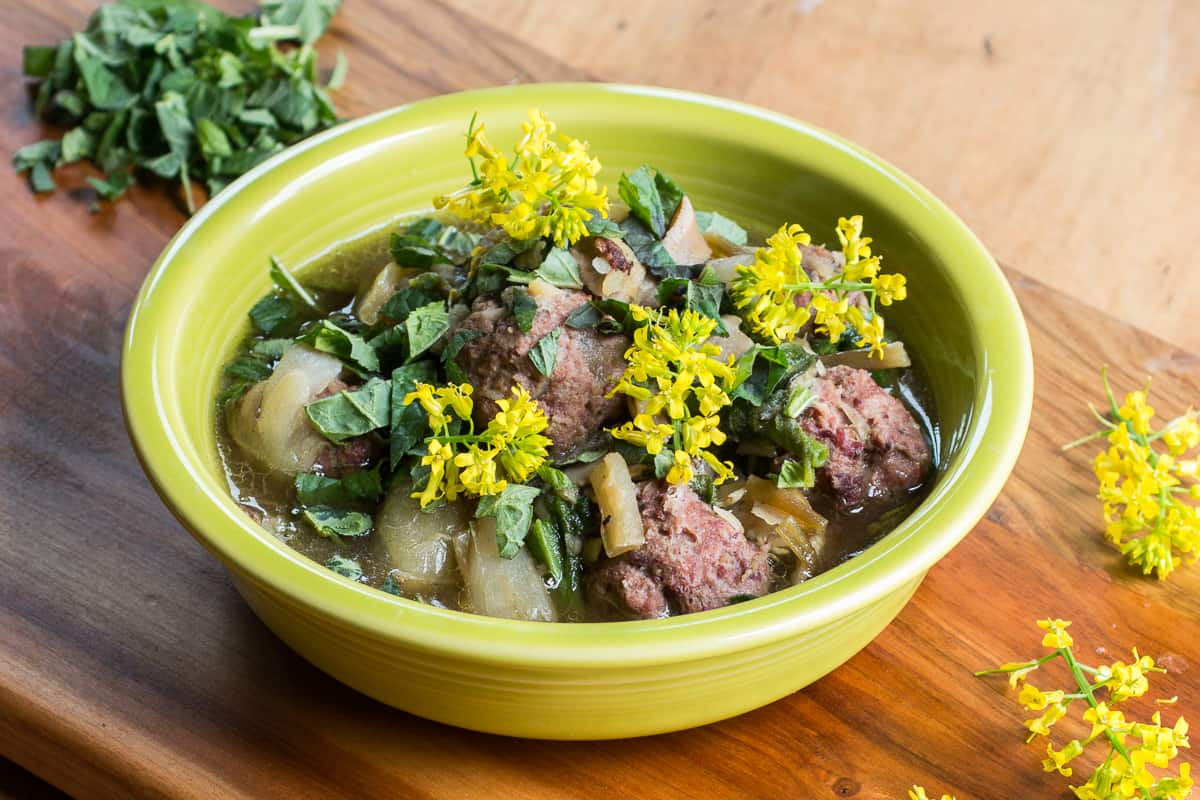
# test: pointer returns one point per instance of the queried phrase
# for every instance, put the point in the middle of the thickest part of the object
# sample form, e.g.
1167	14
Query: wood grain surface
129	666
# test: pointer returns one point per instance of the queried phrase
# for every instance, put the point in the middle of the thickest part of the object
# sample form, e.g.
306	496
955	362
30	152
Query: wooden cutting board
129	666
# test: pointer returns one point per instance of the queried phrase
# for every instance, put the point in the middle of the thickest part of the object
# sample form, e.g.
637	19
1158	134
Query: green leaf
333	523
648	249
544	354
585	316
421	291
545	545
351	348
213	141
176	125
273	313
250	369
640	193
40	179
113	186
425	325
271	349
414	251
46	151
105	89
603	226
705	299
309	17
458	340
346	567
286	281
36	61
351	413
513	510
409	423
560	269
711	222
363	486
338	76
77	144
524	309
669	194
801	473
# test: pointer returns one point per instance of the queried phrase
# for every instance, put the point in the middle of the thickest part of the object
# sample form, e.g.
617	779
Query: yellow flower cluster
470	463
1134	747
679	386
771	290
1146	479
918	793
548	190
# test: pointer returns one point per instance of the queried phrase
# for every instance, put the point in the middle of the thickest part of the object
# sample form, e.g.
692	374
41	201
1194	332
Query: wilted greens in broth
539	404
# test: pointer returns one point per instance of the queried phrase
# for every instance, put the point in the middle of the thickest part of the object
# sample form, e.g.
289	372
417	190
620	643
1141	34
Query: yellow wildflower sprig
1134	747
679	385
548	190
1146	477
468	463
918	793
769	291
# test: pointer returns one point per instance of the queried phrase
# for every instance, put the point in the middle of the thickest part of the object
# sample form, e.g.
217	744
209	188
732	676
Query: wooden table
1061	132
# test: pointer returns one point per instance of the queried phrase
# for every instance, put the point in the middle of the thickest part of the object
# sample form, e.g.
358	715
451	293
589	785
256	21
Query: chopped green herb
424	326
346	567
350	347
288	283
363	486
513	510
181	90
559	269
524	308
544	354
352	413
458	340
711	222
640	193
333	523
645	245
409	423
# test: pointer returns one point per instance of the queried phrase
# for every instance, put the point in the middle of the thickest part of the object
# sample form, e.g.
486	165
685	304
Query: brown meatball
876	449
693	559
587	367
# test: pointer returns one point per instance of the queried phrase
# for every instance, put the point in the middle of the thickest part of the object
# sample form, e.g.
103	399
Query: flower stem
1085	686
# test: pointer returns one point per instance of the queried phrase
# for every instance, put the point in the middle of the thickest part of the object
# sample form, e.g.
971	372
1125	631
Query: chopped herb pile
179	90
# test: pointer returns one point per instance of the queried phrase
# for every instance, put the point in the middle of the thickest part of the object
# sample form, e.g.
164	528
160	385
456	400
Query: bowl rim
1003	403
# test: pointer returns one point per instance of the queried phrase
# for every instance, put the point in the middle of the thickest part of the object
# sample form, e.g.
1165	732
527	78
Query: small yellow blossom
1056	632
511	447
1143	489
548	190
1134	748
1035	700
680	385
1058	759
918	793
1040	726
778	298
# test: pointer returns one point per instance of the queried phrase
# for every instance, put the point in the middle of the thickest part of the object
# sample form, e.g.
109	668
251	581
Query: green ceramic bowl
575	681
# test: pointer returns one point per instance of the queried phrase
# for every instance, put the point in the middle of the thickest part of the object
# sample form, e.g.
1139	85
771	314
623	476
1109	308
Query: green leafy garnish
363	486
410	250
179	90
559	269
645	245
287	282
351	413
544	354
333	523
727	229
524	309
349	347
409	423
346	567
513	510
457	341
424	326
652	197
